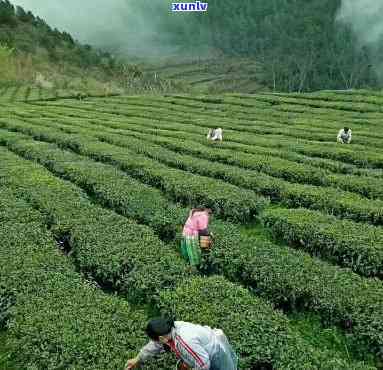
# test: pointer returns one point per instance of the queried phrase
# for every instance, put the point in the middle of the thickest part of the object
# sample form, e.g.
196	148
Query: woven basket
205	242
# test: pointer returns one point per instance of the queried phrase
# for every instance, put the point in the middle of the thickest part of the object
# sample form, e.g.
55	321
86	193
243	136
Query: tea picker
196	236
344	136
196	347
215	134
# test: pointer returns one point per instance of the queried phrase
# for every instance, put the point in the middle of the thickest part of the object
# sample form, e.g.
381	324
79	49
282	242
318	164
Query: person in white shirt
344	136
215	134
197	347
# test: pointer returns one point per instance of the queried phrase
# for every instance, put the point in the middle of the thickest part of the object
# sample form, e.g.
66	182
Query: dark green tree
7	13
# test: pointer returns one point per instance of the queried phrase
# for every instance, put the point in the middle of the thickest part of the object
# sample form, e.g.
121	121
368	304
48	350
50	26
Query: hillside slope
215	75
33	52
35	55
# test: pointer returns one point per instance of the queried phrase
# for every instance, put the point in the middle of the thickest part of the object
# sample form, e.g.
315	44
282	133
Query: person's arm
146	353
350	136
149	351
339	138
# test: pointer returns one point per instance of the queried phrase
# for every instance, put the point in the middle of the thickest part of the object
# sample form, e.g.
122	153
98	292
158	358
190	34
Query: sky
84	19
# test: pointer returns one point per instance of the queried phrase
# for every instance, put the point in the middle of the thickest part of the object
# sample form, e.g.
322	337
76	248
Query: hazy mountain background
302	45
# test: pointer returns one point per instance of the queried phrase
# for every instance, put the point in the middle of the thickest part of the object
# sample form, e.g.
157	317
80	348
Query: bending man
215	134
198	347
344	136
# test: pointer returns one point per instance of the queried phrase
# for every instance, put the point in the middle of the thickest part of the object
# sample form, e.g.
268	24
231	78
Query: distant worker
197	347
81	96
195	229
344	135
215	134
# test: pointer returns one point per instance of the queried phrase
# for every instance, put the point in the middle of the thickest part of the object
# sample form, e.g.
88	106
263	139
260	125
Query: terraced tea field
215	75
32	93
94	193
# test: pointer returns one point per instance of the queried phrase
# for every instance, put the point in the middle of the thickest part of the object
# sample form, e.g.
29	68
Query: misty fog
125	26
366	19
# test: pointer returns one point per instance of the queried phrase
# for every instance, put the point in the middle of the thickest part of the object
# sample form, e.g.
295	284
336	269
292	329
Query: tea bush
56	319
117	175
329	199
362	157
294	280
115	250
227	200
239	259
259	334
354	245
107	185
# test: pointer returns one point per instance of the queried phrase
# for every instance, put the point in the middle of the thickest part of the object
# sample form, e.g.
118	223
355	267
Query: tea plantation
94	193
209	76
31	93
